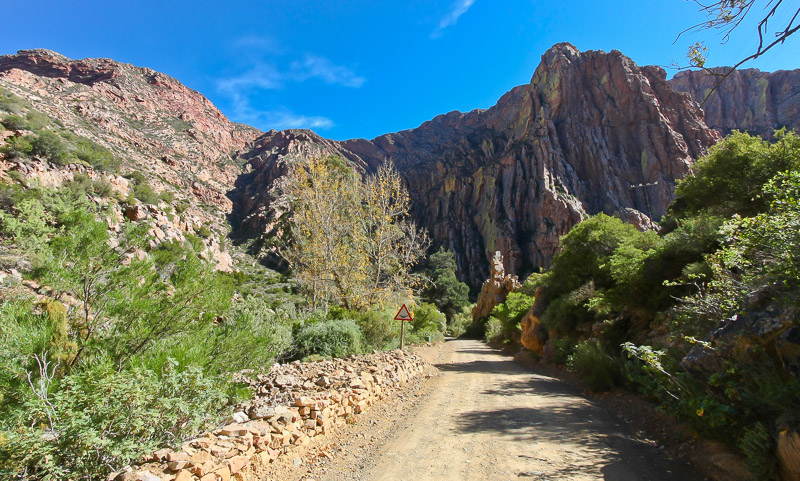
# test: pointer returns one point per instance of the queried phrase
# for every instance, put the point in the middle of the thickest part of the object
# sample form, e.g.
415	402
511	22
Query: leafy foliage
329	338
445	290
351	242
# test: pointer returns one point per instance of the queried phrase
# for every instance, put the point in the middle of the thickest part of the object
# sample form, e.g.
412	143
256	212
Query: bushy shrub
204	232
378	326
48	145
252	336
101	418
511	312
166	196
36	121
461	321
96	155
145	193
595	367
329	338
493	330
429	324
445	291
17	147
14	122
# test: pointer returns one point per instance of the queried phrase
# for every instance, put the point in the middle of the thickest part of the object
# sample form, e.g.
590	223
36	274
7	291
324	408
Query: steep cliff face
748	100
155	124
515	177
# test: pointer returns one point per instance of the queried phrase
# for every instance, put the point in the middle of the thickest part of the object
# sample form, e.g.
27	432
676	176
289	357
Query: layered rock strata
748	100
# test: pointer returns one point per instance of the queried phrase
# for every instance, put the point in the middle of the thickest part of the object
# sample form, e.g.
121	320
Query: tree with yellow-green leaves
351	240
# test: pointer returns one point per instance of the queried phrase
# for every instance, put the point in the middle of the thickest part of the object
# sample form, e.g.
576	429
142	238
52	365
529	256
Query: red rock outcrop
748	100
517	176
495	289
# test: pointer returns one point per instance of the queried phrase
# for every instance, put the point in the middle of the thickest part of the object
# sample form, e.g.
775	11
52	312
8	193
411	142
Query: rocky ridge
515	177
170	133
294	403
748	100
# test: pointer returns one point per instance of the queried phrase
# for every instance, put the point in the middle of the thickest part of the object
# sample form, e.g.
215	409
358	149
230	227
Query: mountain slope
172	134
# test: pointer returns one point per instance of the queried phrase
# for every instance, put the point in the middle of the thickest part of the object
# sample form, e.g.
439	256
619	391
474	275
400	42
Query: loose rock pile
294	403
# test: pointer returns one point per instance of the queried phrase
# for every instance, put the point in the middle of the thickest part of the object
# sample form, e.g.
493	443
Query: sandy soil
485	417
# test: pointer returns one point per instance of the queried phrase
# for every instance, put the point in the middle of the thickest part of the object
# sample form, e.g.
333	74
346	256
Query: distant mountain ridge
512	178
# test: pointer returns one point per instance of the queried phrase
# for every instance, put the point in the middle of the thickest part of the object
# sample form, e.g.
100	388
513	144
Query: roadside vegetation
698	317
132	345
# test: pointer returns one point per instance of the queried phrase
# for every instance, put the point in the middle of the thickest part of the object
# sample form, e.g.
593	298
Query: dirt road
485	417
489	418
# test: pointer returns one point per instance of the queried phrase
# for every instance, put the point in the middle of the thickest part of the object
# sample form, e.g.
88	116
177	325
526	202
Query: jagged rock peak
517	176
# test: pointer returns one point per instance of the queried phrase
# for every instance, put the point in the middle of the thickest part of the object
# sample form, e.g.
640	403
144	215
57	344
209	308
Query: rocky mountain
154	126
158	126
515	177
512	178
748	100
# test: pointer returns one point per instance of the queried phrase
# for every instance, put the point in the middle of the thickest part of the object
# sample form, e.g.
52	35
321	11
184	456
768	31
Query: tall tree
445	290
351	241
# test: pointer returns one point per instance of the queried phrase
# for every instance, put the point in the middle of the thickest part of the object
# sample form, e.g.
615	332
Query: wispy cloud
266	75
459	9
257	42
281	118
313	66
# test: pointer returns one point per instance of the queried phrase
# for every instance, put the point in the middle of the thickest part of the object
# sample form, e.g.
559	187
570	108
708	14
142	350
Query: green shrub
330	338
37	121
14	122
461	321
166	196
145	193
511	312
12	103
102	187
493	330
96	155
378	327
204	232
195	242
48	145
596	369
758	448
17	147
100	417
445	290
252	336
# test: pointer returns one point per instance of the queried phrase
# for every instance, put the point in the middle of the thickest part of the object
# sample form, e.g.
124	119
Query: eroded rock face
517	176
748	100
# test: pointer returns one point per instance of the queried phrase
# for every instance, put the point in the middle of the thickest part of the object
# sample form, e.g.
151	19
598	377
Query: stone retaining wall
293	403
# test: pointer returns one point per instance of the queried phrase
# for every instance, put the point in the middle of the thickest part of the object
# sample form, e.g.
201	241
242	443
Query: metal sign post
403	315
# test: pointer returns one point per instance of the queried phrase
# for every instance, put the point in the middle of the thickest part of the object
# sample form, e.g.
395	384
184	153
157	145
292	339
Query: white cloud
267	76
281	118
264	77
459	9
313	66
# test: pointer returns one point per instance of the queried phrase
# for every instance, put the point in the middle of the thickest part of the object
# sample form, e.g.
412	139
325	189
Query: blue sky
351	69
